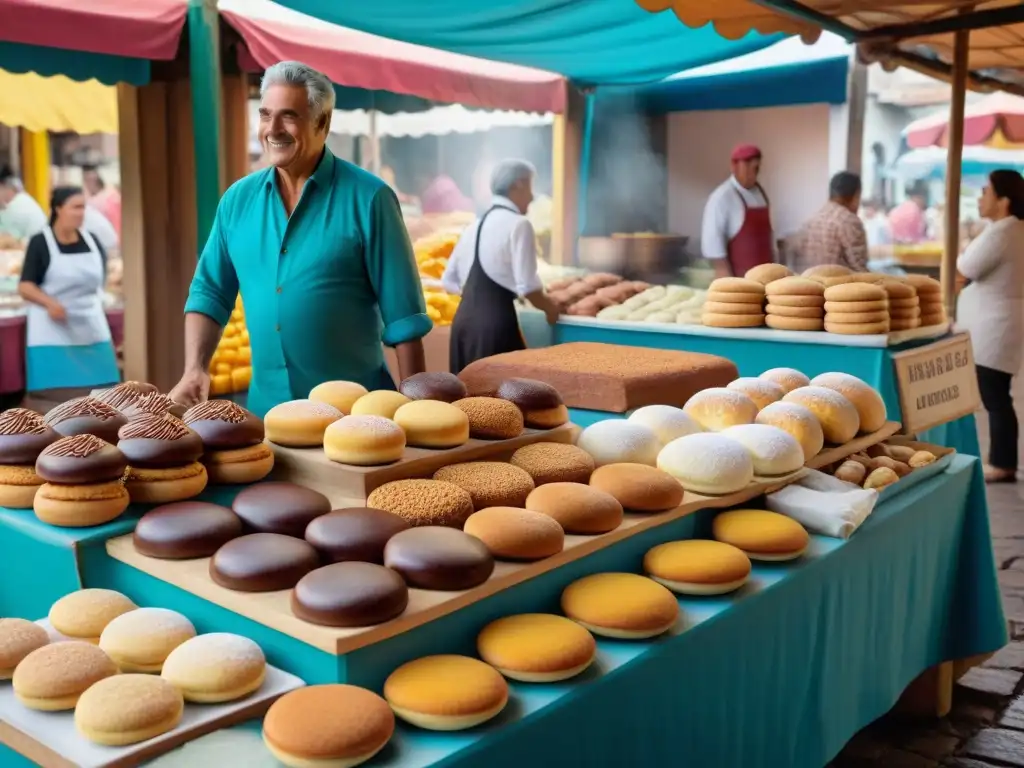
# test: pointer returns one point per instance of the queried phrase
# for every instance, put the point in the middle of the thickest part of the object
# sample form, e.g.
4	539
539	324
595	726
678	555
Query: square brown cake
605	377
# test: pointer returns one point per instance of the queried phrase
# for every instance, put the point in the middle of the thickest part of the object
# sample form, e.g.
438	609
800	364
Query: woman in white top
991	309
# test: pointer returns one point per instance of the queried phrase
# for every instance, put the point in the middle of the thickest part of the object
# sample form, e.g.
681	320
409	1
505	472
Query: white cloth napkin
823	504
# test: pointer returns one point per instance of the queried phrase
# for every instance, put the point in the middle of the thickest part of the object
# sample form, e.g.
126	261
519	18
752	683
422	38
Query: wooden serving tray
346	485
832	454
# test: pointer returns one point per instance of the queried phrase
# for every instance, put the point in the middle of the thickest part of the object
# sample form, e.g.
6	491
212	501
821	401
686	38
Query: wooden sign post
937	383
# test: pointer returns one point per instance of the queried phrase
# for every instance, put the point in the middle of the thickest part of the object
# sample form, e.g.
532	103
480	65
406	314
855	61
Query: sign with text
937	383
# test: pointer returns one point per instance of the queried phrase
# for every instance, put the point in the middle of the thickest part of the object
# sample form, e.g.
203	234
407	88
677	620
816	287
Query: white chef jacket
991	308
22	217
724	214
508	252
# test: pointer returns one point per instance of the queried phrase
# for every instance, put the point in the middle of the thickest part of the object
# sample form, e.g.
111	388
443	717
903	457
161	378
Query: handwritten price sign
937	383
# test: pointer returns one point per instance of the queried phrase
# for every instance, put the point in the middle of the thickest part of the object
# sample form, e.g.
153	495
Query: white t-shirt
22	217
100	227
508	252
724	214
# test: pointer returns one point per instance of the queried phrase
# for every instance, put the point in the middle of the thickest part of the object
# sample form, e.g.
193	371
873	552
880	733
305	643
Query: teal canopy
597	42
109	69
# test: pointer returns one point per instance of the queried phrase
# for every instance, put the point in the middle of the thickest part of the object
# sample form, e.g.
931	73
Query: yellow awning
733	19
57	104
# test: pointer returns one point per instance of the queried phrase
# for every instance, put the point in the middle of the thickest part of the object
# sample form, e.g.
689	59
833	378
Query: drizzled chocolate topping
125	393
153	402
76	447
223	425
21	421
81	406
154	427
80	459
216	410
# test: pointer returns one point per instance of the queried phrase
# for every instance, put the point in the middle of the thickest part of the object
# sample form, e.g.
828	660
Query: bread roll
839	419
851	472
880	478
798	421
717	408
869	404
708	463
921	459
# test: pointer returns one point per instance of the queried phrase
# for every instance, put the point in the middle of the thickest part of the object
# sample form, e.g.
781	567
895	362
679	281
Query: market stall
928	531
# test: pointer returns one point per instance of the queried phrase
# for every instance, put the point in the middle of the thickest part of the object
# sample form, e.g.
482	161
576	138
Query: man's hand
57	312
193	388
552	313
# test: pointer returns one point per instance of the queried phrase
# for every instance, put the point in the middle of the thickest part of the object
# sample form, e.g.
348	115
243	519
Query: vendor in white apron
68	343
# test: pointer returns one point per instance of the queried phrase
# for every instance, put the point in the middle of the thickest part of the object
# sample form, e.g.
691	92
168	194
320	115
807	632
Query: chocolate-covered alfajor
86	416
124	394
23	436
235	451
434	386
84	482
163	459
155	403
185	530
540	403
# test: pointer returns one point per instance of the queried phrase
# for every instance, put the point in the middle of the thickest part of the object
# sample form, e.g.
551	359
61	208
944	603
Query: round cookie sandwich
163	460
843	318
762	391
666	422
489	483
698	567
84	482
234	450
350	595
185	530
826	270
327	725
762	535
433	424
775	452
787	378
86	416
53	677
638	488
799	422
262	562
929	294
795	304
767	273
341	395
18	638
85	613
511	533
620	605
279	507
840	421
491	418
364	441
554	463
155	403
708	463
580	509
216	667
446	387
904	305
23	436
125	394
536	647
719	407
734	302
869	404
140	640
423	502
380	402
356	534
300	423
446	693
540	403
127	709
614	441
443	559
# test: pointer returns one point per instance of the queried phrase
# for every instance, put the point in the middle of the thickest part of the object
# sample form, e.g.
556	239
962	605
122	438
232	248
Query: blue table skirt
754	356
781	674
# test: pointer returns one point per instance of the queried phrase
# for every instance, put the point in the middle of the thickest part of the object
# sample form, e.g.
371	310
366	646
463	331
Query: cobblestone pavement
986	727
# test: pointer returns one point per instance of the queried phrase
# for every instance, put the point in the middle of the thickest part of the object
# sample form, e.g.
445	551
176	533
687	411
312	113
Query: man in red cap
737	230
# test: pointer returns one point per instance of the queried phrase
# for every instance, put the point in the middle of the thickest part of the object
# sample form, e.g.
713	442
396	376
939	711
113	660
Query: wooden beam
565	170
801	12
206	111
873	52
995	17
856	104
235	142
954	159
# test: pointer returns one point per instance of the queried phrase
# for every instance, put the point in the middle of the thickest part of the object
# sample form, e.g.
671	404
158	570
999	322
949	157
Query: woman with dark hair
991	309
68	344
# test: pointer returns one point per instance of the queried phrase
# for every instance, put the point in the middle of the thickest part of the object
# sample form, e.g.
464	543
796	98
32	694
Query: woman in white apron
68	344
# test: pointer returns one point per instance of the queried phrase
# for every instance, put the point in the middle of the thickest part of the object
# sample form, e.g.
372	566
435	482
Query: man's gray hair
508	173
318	86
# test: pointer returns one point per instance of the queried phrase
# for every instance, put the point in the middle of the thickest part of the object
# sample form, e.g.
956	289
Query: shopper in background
318	249
876	226
20	214
991	309
736	234
907	220
105	198
835	234
68	346
491	267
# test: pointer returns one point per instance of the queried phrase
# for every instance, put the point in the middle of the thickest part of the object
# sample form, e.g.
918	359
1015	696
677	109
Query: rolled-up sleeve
523	245
391	267
215	284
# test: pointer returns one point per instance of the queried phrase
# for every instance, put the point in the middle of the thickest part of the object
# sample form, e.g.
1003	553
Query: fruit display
231	367
441	305
660	304
586	296
433	251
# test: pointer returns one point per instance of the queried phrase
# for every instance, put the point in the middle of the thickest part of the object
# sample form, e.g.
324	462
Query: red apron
753	243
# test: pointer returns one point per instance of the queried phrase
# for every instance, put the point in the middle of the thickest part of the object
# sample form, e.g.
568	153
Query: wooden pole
565	182
954	157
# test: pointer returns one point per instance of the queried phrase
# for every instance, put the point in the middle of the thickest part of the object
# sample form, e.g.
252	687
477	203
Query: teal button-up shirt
322	289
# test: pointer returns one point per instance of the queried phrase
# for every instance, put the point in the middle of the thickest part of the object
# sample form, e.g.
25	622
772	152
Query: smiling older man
321	256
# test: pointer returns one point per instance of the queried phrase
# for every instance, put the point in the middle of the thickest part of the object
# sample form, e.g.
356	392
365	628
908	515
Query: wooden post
856	101
954	155
206	111
236	127
565	181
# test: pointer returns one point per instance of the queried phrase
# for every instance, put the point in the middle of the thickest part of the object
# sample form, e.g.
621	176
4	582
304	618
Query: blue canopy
596	42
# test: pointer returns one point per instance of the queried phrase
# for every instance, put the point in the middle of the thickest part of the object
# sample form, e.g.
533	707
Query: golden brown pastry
902	452
921	459
852	472
880	478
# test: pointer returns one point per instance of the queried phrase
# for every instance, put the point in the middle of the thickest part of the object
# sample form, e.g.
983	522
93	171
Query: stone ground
986	727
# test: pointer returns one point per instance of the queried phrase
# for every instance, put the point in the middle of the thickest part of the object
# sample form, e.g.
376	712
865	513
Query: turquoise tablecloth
781	674
753	356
